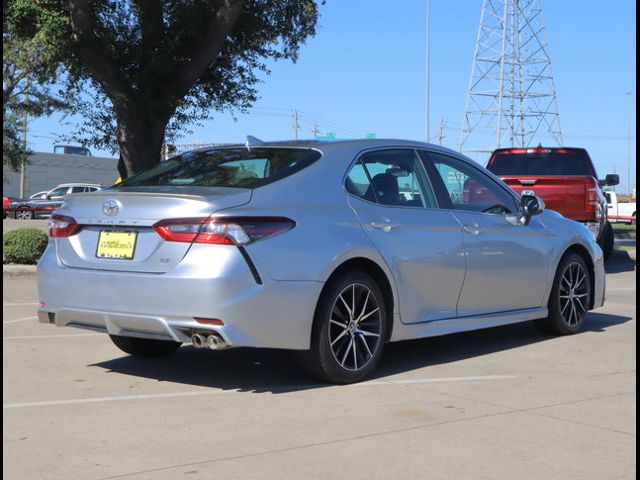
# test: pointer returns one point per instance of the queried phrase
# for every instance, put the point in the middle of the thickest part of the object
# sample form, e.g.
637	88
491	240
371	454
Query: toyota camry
328	248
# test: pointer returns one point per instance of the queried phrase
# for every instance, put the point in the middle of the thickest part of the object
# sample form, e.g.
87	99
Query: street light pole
427	70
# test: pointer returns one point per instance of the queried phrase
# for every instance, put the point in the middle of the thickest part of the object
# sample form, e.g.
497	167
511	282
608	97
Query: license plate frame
125	250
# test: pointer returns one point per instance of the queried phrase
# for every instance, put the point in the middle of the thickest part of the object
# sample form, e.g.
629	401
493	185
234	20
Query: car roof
330	144
78	185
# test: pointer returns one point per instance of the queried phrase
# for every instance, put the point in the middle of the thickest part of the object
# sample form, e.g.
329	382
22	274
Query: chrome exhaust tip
215	342
199	341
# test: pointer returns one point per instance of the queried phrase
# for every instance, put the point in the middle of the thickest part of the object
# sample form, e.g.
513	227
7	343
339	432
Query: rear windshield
234	167
552	163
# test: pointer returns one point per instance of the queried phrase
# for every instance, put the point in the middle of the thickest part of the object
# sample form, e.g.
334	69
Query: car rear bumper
274	314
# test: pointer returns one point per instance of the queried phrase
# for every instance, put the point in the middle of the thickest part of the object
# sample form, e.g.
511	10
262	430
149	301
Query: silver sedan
331	249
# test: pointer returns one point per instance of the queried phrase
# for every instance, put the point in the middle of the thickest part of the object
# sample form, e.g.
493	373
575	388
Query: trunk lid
138	209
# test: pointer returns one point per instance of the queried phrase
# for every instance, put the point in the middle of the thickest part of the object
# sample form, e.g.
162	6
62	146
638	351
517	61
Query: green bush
24	245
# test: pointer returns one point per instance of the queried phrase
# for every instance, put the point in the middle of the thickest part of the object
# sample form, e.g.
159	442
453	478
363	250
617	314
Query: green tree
30	65
148	68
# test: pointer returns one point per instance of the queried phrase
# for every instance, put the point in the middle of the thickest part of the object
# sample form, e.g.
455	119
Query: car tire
24	214
606	240
144	347
570	297
349	330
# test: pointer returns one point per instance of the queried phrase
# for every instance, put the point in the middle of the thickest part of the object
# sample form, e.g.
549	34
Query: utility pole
22	163
427	70
296	123
512	100
629	94
441	127
315	130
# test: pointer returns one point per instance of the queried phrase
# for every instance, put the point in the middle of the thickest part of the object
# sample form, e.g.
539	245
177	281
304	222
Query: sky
364	71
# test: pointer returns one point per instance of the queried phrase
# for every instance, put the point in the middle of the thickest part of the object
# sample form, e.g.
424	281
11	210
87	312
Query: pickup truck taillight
591	197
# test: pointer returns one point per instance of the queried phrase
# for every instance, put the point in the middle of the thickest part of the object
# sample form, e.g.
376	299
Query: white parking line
28	337
80	401
20	304
19	320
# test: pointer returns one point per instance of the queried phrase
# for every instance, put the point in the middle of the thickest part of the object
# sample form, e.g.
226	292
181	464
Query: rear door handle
385	225
472	228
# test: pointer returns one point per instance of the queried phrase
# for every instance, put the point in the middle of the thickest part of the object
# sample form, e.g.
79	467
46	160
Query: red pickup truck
565	179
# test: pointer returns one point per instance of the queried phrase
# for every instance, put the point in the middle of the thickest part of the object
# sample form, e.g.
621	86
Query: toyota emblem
111	208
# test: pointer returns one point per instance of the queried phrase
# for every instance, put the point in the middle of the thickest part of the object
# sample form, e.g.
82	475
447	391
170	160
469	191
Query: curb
18	270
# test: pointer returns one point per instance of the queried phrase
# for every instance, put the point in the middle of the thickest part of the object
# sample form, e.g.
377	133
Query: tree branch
206	48
93	54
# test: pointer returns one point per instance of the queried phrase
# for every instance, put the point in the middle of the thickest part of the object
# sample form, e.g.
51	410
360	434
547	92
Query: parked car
565	179
620	211
39	195
6	204
331	249
71	150
27	209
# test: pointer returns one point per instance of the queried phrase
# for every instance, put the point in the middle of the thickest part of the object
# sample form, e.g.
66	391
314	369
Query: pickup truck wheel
569	298
606	240
144	347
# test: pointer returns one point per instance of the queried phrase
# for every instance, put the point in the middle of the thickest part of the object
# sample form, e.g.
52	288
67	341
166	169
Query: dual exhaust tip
212	341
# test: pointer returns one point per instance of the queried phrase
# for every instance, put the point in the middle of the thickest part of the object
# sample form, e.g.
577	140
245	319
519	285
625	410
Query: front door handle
472	228
385	225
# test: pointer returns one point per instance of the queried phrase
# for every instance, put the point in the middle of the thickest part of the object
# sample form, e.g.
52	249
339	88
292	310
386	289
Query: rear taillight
61	226
592	196
222	230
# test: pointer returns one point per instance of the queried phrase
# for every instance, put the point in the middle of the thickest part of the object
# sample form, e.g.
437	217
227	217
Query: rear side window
391	177
548	163
234	167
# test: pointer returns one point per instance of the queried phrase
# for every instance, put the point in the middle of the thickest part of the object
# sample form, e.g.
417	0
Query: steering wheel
497	209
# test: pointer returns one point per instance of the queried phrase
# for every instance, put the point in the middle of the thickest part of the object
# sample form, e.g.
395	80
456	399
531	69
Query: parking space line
80	401
28	337
20	304
20	320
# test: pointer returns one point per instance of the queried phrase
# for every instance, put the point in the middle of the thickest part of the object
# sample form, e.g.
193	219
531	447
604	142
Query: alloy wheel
574	294
355	327
24	214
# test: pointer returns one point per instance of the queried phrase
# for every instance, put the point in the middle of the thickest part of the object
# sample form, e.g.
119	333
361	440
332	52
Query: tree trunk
140	141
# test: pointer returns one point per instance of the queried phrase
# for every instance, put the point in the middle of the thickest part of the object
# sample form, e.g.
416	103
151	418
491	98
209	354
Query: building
46	170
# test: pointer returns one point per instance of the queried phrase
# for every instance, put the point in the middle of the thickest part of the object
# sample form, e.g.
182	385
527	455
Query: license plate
118	245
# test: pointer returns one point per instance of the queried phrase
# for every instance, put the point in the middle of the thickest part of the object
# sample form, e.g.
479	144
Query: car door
507	262
422	245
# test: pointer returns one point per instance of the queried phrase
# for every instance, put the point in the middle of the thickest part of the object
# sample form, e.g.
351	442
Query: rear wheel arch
366	265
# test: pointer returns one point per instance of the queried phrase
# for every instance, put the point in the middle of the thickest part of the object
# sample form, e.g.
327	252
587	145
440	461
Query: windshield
541	164
236	167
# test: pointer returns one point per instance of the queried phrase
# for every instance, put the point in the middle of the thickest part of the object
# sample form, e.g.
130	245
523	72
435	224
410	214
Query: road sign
370	135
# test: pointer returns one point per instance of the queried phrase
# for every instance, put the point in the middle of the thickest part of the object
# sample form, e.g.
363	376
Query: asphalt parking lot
502	403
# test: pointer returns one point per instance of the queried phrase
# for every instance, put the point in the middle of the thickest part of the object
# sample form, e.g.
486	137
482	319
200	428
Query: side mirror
531	205
610	180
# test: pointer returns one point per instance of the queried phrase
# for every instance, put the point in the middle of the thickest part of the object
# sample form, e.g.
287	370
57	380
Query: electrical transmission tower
512	95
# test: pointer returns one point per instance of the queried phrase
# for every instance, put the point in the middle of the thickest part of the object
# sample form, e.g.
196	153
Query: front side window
471	190
391	177
233	167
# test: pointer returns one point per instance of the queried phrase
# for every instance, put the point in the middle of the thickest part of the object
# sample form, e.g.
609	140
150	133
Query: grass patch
623	228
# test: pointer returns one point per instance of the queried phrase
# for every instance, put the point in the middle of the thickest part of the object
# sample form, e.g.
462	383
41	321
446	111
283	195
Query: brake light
592	196
61	226
222	230
521	151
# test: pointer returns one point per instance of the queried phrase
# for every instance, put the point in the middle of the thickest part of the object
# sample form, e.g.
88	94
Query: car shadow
620	261
276	371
